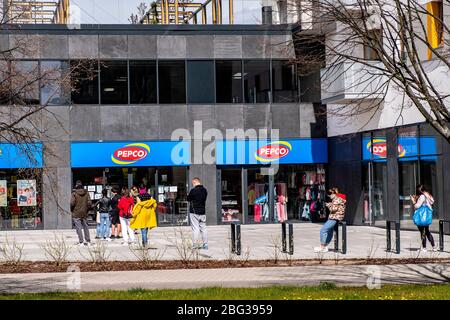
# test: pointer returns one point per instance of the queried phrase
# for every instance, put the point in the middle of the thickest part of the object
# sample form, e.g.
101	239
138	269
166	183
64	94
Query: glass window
408	142
284	82
5	88
143	82
298	189
408	180
429	178
200	81
229	81
257	81
25	82
27	215
54	86
114	82
84	78
231	190
258	196
172	84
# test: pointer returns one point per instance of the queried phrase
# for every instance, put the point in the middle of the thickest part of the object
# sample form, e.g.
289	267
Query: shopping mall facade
119	128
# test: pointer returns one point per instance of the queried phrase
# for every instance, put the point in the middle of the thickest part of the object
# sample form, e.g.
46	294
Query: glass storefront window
408	180
428	177
300	193
231	190
20	199
166	184
258	196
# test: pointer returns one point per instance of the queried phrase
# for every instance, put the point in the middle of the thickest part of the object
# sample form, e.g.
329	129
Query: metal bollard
236	238
441	234
284	237
397	236
344	237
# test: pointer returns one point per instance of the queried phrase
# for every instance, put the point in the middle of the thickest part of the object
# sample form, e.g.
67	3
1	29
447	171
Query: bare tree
28	89
387	47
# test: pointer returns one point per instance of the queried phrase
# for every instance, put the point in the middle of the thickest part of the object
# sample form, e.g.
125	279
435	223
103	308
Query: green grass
323	291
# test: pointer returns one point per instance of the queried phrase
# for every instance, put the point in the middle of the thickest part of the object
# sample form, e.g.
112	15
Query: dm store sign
132	154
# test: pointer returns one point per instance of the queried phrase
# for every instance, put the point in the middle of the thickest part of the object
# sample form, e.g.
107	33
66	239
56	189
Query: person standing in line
80	204
135	193
144	216
104	208
197	198
116	227
424	198
126	204
337	212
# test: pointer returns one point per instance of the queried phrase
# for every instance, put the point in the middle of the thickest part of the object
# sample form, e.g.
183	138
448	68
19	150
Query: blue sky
118	11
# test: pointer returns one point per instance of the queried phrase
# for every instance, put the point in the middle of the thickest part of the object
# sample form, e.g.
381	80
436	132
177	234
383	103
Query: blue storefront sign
130	154
408	147
285	151
16	156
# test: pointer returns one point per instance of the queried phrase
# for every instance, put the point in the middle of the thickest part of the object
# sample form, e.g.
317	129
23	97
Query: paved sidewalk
257	240
233	277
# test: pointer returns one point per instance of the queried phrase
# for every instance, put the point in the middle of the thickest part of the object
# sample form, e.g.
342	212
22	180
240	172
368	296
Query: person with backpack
337	212
80	204
104	208
125	206
423	204
144	216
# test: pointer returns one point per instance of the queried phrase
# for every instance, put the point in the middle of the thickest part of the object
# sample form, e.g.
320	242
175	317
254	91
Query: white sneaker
320	249
79	244
125	244
435	249
108	239
422	250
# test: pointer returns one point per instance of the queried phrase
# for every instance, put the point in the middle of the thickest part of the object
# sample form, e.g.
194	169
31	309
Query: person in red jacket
125	206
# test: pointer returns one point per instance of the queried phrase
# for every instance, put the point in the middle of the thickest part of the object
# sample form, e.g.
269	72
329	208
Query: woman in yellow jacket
144	215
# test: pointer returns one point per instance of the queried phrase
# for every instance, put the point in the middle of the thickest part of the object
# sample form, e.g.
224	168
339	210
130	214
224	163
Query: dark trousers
81	223
424	234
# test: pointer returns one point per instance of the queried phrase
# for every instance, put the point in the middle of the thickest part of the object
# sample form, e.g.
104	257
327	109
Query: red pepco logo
130	153
273	151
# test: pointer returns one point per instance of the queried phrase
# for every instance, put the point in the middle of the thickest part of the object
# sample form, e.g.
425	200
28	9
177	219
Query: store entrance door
375	192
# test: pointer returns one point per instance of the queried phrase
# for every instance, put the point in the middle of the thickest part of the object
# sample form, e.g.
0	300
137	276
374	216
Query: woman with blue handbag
423	204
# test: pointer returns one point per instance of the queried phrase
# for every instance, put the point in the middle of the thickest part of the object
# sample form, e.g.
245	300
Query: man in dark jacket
80	203
197	198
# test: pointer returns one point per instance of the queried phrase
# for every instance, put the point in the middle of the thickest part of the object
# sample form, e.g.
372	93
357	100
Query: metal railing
397	235
236	238
284	237
343	224
441	233
37	12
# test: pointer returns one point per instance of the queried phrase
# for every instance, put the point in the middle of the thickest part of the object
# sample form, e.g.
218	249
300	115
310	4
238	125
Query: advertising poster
26	193
3	194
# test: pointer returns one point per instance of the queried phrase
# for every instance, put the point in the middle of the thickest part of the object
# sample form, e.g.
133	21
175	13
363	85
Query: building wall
65	124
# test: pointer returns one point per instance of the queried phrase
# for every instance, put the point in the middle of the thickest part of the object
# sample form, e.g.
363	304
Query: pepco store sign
378	147
273	151
130	153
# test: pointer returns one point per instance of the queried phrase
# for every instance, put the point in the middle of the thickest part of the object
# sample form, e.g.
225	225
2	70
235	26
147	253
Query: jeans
127	232
144	233
198	225
105	224
81	223
326	232
98	231
424	234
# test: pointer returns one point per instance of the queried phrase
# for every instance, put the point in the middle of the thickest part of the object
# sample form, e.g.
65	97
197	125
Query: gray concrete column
207	174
